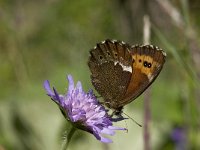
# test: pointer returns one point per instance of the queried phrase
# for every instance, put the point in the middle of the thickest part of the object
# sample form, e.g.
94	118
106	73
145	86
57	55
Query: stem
68	139
147	119
147	95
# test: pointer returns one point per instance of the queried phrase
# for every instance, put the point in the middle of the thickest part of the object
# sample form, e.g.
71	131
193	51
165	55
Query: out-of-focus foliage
48	39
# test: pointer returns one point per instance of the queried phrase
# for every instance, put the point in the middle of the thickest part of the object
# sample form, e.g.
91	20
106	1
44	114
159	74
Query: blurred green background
48	39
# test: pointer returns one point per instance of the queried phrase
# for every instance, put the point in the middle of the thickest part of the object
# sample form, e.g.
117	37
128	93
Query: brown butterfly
120	72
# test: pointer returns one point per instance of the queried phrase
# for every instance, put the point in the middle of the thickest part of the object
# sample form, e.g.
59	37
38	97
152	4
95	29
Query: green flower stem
69	137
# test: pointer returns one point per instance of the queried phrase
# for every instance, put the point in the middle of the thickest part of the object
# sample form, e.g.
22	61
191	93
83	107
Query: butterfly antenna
132	119
126	126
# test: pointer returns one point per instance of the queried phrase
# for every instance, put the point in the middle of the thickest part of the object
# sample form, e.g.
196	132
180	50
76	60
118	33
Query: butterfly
120	72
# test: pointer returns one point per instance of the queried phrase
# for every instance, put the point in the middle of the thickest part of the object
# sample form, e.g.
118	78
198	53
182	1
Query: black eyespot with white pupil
146	64
149	65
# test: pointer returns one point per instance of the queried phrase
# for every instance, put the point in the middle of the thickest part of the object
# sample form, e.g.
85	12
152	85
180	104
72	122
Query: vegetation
49	39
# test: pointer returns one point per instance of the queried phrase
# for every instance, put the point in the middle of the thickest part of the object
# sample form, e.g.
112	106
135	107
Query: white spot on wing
164	53
150	77
102	42
114	40
125	68
151	46
123	42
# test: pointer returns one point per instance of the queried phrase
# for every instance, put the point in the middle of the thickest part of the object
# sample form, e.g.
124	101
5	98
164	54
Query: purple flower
83	110
178	135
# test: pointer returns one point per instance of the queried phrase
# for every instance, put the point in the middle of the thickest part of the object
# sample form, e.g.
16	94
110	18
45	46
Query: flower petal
105	140
79	87
58	99
116	128
47	87
107	131
71	84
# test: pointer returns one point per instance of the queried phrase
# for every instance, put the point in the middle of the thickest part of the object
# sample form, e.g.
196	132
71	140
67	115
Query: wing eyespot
149	65
100	57
108	53
145	64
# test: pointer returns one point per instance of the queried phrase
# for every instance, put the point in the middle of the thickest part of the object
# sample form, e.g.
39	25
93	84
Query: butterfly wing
110	63
147	61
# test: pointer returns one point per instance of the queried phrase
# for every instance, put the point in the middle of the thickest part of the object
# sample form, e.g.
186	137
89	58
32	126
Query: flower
83	110
178	135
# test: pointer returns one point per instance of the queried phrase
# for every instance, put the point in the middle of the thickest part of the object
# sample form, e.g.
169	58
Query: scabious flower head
83	110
